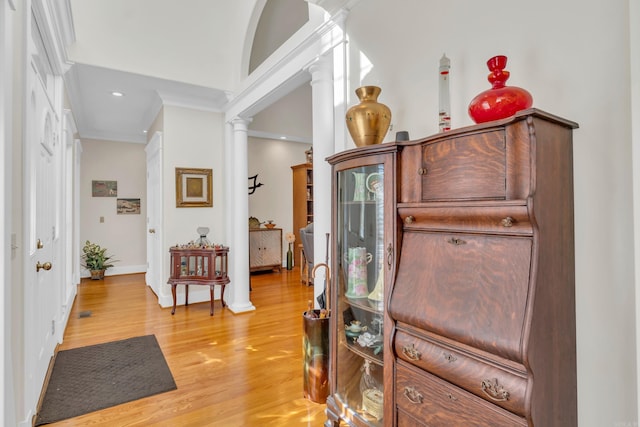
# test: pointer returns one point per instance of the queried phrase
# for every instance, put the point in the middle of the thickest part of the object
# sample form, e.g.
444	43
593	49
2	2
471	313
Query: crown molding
196	103
114	136
55	23
152	113
64	21
71	83
278	136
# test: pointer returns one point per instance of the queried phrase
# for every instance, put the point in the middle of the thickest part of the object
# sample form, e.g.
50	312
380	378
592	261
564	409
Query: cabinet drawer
437	403
510	219
473	289
406	420
489	382
468	167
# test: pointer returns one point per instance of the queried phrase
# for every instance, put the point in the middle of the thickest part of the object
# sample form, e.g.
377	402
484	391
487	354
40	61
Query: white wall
272	31
192	139
123	235
290	115
272	161
573	57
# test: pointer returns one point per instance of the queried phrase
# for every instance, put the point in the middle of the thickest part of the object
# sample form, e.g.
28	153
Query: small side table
196	266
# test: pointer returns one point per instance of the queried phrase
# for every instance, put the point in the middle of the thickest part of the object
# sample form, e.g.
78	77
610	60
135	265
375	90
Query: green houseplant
96	260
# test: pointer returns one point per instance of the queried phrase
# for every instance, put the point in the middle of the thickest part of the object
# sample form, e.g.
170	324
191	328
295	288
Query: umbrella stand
315	343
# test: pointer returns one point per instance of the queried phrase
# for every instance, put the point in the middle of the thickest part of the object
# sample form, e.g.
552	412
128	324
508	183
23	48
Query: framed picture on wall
194	188
128	207
104	188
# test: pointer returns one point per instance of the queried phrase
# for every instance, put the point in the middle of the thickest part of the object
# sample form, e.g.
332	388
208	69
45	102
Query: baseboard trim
115	271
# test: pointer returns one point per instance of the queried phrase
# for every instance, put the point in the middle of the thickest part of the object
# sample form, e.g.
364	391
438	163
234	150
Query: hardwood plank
230	369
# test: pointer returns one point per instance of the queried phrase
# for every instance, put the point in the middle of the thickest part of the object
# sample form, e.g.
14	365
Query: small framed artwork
128	207
104	188
194	188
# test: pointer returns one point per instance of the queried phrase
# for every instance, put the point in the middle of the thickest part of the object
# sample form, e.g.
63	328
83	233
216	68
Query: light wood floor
232	370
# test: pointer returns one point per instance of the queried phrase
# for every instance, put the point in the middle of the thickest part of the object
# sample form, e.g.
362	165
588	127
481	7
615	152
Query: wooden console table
195	266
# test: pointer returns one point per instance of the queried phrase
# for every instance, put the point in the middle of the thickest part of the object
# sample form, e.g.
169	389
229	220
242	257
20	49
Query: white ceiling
158	52
100	115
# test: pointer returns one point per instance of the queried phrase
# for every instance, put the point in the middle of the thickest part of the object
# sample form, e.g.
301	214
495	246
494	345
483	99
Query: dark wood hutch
471	237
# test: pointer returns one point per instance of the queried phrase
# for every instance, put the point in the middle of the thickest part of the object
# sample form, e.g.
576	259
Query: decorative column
323	146
239	201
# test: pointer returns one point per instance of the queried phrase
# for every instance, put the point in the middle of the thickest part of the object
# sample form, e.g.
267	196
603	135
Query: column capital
240	123
321	69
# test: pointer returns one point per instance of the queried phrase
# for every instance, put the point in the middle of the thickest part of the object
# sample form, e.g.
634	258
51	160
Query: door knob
45	266
152	230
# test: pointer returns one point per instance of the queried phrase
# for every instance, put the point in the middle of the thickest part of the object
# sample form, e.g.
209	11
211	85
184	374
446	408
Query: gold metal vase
368	121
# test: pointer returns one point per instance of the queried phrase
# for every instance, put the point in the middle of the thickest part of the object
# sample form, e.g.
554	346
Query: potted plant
96	260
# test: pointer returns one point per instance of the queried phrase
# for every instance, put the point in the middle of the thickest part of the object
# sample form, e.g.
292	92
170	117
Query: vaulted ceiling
154	52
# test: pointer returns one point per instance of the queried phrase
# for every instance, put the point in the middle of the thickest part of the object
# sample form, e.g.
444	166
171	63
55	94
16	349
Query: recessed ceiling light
283	137
116	93
144	131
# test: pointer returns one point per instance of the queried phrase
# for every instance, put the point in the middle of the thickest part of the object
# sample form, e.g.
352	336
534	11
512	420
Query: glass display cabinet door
360	259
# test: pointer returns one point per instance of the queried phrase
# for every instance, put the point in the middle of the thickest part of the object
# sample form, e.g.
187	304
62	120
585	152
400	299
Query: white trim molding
56	27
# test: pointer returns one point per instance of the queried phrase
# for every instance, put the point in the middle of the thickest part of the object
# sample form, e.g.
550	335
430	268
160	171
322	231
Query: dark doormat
95	377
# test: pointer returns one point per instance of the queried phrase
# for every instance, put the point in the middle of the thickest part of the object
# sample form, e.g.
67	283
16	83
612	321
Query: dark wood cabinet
364	239
481	305
199	266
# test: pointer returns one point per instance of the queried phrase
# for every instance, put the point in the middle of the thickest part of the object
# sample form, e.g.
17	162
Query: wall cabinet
302	178
479	326
265	249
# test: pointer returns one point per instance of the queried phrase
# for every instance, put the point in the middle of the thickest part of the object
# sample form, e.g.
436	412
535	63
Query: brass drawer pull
494	390
422	171
411	352
456	241
451	397
413	395
507	222
410	219
389	256
449	357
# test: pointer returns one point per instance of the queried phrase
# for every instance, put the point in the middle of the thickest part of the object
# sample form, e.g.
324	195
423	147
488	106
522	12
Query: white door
154	214
42	284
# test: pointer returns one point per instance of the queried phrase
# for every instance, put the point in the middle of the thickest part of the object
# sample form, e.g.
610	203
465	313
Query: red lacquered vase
500	101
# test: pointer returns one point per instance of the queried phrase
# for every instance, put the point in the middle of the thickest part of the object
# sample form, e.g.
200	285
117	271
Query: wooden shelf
302	200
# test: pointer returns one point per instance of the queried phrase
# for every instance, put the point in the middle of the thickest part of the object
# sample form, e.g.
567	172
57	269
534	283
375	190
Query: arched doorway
308	56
